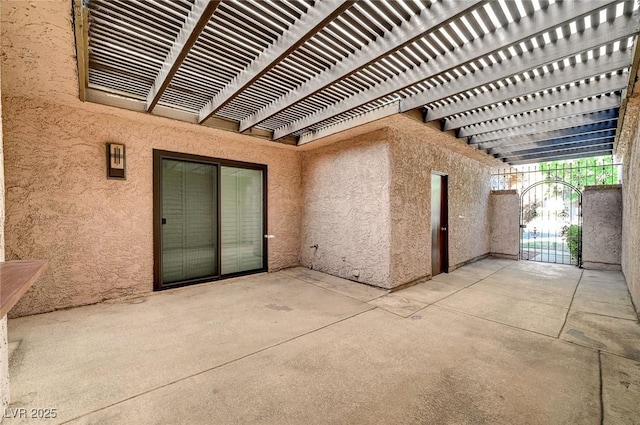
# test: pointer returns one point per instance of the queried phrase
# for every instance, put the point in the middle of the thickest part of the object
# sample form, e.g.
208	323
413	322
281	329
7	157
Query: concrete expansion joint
601	387
235	360
573	296
435	303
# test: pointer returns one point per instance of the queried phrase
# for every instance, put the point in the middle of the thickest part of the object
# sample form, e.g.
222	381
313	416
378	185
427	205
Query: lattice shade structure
524	80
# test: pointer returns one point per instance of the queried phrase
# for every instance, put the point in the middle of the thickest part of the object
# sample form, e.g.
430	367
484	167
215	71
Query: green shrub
571	235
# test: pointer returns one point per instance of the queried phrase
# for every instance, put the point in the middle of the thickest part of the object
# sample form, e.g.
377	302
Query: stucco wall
4	366
629	150
4	349
602	227
504	216
97	233
346	209
417	151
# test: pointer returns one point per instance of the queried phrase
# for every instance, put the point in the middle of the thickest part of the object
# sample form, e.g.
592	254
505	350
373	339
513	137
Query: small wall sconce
116	161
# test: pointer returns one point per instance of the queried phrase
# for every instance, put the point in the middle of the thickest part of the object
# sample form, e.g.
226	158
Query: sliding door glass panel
242	230
189	217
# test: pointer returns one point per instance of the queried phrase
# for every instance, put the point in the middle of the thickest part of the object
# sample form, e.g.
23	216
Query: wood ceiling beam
602	87
303	29
570	74
490	43
554	143
570	153
195	22
397	38
549	113
545	126
553	134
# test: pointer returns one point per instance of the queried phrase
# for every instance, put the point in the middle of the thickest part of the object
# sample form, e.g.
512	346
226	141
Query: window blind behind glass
242	215
189	207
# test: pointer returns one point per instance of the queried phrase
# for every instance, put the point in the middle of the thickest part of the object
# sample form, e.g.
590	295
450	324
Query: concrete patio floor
495	342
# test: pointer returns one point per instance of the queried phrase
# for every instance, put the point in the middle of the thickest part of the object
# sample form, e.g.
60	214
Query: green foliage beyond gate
571	234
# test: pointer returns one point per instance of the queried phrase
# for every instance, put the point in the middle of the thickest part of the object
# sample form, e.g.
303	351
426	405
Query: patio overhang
296	71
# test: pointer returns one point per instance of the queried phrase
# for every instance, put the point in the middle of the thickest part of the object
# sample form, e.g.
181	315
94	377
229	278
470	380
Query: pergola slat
578	72
399	37
592	37
198	17
555	112
556	143
558	124
295	36
601	148
553	134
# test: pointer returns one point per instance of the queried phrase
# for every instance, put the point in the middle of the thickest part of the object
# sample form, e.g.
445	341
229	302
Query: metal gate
551	223
551	204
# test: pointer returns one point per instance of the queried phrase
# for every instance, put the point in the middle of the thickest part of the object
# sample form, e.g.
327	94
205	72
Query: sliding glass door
209	219
189	221
242	231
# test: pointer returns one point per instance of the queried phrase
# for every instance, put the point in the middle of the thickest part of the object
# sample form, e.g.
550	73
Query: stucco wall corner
417	150
345	197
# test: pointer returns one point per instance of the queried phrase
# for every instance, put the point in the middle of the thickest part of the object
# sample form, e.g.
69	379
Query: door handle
444	229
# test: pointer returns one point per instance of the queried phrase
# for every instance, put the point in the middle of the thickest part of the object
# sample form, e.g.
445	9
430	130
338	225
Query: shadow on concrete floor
495	342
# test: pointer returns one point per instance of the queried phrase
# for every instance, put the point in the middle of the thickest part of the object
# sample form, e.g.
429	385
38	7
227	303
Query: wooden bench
16	277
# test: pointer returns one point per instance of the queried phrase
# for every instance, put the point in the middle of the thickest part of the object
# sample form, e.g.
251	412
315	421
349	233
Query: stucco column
504	223
602	227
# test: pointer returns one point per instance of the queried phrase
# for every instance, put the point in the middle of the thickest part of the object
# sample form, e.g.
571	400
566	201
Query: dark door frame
158	156
444	222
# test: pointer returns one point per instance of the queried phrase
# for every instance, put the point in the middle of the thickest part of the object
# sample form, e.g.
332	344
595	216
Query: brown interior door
439	225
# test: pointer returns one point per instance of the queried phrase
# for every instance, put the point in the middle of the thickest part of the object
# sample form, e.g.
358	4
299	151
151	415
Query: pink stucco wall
362	195
4	347
367	201
416	152
629	150
97	233
346	208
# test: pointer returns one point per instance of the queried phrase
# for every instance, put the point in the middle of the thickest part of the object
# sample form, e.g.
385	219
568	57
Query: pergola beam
197	19
602	86
400	36
541	127
563	154
297	34
553	134
578	72
513	34
589	39
561	148
588	153
507	151
367	117
588	106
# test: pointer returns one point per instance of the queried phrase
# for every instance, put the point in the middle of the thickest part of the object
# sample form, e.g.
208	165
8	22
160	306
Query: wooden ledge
15	278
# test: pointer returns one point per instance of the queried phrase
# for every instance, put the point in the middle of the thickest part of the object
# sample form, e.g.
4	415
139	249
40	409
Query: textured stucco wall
602	227
504	216
629	150
346	209
4	349
417	151
4	367
97	233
